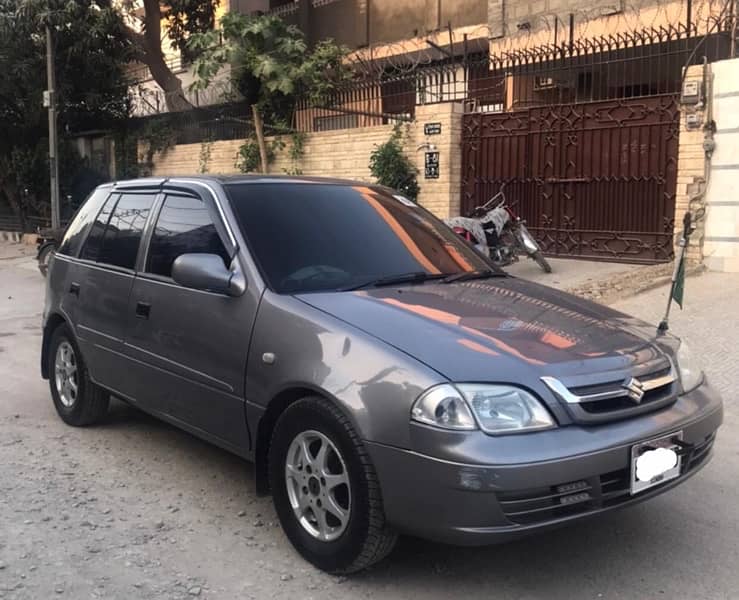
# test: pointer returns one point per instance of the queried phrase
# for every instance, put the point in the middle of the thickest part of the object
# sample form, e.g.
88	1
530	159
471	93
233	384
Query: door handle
142	310
74	289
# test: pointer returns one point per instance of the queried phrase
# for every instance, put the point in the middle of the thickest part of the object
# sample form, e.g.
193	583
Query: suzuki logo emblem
634	389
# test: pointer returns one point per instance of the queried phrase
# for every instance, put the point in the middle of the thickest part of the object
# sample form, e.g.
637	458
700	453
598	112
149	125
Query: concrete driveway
136	509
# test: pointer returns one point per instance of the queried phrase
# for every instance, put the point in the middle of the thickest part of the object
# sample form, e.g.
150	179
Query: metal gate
594	180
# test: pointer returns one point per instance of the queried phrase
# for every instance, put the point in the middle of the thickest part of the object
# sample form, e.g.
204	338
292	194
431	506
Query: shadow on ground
625	545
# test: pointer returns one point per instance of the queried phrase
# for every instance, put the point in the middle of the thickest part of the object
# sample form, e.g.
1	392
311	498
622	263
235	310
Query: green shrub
390	167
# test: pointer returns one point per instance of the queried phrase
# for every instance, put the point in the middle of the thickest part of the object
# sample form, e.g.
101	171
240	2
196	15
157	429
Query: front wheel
528	244
541	261
325	489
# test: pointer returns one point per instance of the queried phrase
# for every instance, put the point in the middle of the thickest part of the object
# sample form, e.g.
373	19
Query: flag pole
683	245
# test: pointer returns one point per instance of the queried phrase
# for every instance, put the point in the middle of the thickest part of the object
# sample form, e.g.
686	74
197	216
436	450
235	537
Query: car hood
502	329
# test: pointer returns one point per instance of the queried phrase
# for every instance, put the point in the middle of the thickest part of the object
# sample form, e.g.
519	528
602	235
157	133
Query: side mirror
205	272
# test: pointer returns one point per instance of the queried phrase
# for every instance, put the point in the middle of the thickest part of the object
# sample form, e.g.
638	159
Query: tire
88	403
44	256
541	261
532	249
363	537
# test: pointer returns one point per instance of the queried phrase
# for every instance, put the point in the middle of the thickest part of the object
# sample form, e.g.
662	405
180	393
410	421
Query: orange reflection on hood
503	346
442	316
432	313
556	340
477	347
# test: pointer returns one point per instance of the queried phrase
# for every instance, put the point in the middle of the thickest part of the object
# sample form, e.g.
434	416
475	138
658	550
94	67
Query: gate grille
593	180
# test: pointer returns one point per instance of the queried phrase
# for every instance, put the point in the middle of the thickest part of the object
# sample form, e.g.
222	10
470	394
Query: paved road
137	509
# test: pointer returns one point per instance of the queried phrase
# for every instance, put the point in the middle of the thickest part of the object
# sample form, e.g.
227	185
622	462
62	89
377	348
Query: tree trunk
259	128
149	51
174	95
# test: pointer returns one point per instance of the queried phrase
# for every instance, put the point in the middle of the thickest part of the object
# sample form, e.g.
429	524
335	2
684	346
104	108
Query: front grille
586	390
620	403
611	400
549	503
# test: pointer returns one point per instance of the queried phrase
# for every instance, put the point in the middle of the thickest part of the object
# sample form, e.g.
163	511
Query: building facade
577	107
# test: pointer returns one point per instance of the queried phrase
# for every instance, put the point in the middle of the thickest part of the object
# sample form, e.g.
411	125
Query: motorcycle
47	242
497	231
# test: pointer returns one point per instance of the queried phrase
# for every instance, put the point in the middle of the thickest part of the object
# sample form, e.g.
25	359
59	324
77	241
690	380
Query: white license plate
655	461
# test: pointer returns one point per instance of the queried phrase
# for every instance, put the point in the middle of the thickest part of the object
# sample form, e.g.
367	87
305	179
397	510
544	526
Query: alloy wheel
318	485
65	374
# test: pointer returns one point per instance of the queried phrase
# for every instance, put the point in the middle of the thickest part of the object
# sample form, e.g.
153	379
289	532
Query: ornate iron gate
592	179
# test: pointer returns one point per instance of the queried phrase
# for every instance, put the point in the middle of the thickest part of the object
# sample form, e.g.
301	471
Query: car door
188	348
105	276
63	280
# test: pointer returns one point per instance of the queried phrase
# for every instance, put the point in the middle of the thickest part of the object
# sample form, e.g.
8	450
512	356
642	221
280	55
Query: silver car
384	376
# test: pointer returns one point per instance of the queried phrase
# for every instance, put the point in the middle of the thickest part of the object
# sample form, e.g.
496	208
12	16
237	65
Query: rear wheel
76	398
325	489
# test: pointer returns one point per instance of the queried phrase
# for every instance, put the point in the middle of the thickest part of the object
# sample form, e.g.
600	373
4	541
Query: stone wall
710	180
345	153
721	242
691	168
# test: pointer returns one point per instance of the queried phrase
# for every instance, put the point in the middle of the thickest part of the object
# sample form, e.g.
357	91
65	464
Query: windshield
317	237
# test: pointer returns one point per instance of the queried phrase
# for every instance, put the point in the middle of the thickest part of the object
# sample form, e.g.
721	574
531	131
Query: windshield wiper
467	275
413	277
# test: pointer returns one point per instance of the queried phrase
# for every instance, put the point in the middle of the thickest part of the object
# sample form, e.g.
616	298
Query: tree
181	18
270	64
92	92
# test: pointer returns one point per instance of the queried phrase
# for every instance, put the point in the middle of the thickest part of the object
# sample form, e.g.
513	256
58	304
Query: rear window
82	221
91	249
116	233
123	234
315	236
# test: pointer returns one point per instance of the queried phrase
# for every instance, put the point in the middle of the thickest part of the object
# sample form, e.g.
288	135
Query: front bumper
492	500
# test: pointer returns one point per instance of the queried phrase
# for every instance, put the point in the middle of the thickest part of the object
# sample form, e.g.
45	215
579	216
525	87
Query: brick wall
345	153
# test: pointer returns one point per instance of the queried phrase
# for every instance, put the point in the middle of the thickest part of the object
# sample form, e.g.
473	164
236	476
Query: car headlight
443	406
496	408
691	374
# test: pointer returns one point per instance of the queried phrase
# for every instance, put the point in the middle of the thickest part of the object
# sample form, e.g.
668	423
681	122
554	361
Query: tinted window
91	249
184	225
321	236
81	223
123	234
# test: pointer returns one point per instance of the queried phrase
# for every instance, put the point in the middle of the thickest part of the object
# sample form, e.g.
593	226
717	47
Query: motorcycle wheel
44	256
527	242
541	261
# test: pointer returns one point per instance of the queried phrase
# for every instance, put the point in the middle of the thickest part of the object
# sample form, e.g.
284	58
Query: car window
91	248
311	236
184	226
122	236
82	221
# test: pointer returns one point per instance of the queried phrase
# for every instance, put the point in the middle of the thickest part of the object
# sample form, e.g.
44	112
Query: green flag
679	287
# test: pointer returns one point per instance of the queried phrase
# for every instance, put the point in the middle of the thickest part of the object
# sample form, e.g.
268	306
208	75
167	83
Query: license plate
654	462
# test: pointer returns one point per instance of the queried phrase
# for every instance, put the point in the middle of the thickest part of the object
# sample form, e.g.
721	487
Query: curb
620	286
664	280
11	236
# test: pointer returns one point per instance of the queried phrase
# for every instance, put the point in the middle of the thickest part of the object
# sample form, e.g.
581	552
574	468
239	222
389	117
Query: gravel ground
137	509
